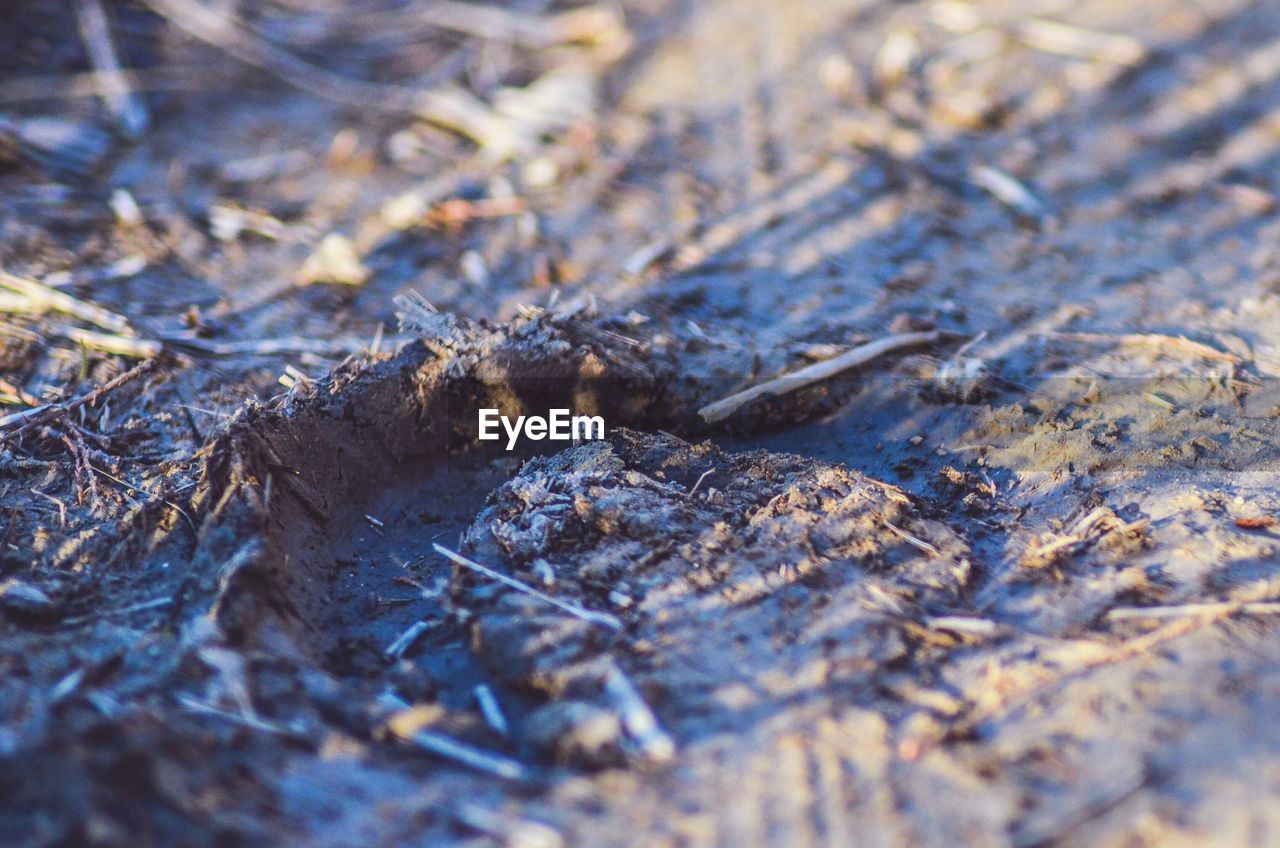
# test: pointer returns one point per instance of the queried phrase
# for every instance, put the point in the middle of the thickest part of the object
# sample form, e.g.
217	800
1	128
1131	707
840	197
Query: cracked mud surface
1011	588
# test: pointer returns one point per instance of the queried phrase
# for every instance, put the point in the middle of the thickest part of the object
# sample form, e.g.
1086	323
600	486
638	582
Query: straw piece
815	373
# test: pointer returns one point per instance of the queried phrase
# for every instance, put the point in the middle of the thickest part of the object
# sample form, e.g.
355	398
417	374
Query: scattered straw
37	297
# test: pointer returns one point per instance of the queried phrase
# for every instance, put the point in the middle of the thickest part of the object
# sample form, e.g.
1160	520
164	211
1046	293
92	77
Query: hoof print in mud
341	346
696	551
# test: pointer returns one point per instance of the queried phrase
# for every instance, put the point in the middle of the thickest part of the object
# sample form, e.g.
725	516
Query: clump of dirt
691	547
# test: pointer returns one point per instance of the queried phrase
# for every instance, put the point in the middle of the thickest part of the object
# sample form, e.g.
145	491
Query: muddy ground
1016	585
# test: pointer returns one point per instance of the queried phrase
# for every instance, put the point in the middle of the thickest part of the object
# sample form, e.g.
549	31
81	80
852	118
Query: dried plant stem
28	418
265	347
914	541
492	22
1078	42
125	105
406	639
115	344
42	298
1212	609
964	625
641	725
476	758
601	618
453	108
815	373
491	709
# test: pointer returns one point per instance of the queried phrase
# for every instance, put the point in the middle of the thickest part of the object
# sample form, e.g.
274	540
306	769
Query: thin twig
637	717
1078	42
154	603
1011	192
1194	610
115	344
491	709
265	347
964	625
601	618
701	477
232	36
817	372
43	298
467	755
253	722
914	541
402	643
62	508
43	414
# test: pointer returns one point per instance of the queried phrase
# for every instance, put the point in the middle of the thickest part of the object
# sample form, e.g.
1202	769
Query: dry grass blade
815	373
127	107
411	724
491	709
601	618
265	347
118	345
42	298
406	639
1194	610
253	722
491	22
650	740
914	541
1067	40
964	625
452	749
1011	192
505	830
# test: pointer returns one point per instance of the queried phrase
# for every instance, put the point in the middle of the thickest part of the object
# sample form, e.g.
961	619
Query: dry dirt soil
1014	586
